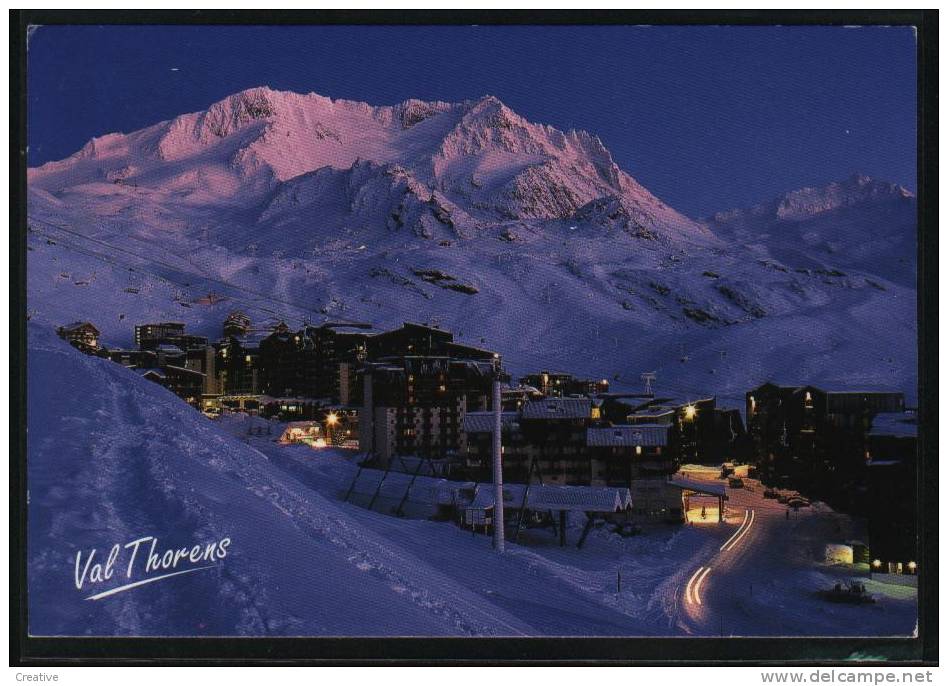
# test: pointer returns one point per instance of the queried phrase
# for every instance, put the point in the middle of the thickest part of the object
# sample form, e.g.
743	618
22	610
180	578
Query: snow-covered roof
557	408
902	424
157	373
483	422
648	435
556	498
711	487
579	498
481	367
184	370
653	412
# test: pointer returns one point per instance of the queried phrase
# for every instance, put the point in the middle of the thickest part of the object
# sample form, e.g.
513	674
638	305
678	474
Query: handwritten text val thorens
143	562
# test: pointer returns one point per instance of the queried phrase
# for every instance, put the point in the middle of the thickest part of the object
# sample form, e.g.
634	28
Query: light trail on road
697	588
688	592
740	534
736	533
693	587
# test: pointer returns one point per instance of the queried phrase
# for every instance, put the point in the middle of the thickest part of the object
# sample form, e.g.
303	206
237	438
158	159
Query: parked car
798	502
854	593
782	498
770	493
736	483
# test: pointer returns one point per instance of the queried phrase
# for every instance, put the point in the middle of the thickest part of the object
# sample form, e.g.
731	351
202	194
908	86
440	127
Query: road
762	578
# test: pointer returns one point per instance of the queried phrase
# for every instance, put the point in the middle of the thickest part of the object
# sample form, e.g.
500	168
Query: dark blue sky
708	118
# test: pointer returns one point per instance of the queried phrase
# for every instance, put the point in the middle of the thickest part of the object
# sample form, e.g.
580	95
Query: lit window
638	450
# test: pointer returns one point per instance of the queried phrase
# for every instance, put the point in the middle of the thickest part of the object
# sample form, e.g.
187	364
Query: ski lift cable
210	279
283	315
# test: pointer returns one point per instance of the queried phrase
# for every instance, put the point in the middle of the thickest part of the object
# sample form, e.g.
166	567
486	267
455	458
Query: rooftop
709	487
558	408
483	422
646	435
555	498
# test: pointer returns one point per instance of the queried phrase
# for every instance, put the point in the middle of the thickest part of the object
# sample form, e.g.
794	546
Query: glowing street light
877	563
331	420
912	566
690	412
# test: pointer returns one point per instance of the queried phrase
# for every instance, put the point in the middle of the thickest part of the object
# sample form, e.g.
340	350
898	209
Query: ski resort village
412	424
432	369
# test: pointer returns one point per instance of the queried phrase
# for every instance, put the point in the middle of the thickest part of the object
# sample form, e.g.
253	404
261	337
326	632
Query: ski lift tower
648	378
498	463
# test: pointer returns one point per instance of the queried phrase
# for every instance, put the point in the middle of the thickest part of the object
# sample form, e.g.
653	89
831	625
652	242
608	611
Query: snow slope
113	458
302	208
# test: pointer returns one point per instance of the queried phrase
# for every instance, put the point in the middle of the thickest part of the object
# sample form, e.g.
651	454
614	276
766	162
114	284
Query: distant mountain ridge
805	203
303	208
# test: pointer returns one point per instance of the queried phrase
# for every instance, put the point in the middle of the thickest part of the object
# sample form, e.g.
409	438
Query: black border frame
921	651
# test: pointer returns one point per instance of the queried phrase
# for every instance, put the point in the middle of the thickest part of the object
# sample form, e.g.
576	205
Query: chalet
545	441
82	335
621	454
185	383
558	440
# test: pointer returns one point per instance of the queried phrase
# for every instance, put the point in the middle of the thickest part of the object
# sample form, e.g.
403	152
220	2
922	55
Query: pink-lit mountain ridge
300	207
432	165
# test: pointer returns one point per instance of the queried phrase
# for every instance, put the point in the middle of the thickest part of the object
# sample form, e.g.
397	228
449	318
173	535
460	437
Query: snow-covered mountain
299	207
859	223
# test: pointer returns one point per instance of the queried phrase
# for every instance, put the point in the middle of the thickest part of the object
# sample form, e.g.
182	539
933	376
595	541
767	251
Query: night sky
708	118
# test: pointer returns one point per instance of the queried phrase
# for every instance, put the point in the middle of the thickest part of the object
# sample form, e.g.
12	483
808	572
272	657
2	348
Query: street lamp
497	453
331	420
